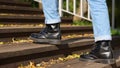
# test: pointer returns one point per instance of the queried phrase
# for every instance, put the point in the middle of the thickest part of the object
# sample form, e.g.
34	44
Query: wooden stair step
8	33
37	29
15	3
20	10
13	55
76	63
11	50
27	19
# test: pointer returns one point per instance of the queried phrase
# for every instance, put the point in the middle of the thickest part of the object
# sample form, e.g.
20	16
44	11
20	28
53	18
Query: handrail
81	15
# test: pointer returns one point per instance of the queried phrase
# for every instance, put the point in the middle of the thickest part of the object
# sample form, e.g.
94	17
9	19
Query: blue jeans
99	14
50	8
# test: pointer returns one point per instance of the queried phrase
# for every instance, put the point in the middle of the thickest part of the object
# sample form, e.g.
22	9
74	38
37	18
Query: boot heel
106	61
110	61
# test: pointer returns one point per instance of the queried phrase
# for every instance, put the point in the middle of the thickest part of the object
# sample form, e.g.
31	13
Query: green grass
86	23
115	31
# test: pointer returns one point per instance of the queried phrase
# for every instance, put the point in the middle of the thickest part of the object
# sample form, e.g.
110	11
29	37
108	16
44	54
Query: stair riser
21	12
14	3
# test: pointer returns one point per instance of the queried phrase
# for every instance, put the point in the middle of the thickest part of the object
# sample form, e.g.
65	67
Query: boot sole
49	41
104	61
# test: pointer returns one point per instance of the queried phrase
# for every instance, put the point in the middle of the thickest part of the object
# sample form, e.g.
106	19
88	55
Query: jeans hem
104	37
53	21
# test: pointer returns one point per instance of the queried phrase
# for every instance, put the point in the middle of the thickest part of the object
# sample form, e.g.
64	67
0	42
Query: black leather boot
102	52
50	34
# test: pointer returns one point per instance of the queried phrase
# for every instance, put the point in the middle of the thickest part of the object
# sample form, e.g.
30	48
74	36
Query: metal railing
74	10
81	15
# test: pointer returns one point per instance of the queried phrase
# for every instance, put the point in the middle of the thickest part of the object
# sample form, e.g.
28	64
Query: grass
115	31
86	23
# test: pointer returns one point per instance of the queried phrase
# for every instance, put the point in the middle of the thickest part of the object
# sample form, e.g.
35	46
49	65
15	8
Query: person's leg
51	33
50	8
100	19
102	34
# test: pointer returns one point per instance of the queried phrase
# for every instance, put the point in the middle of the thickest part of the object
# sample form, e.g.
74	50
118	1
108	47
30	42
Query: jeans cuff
104	37
38	1
52	21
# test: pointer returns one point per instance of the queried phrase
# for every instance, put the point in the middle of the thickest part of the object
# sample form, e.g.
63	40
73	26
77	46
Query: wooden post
40	5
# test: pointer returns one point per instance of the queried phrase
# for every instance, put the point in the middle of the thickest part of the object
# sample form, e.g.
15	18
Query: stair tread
30	29
20	10
10	50
15	3
26	17
3	7
38	18
76	63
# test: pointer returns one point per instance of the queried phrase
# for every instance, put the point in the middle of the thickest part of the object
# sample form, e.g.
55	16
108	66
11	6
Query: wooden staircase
19	14
15	11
